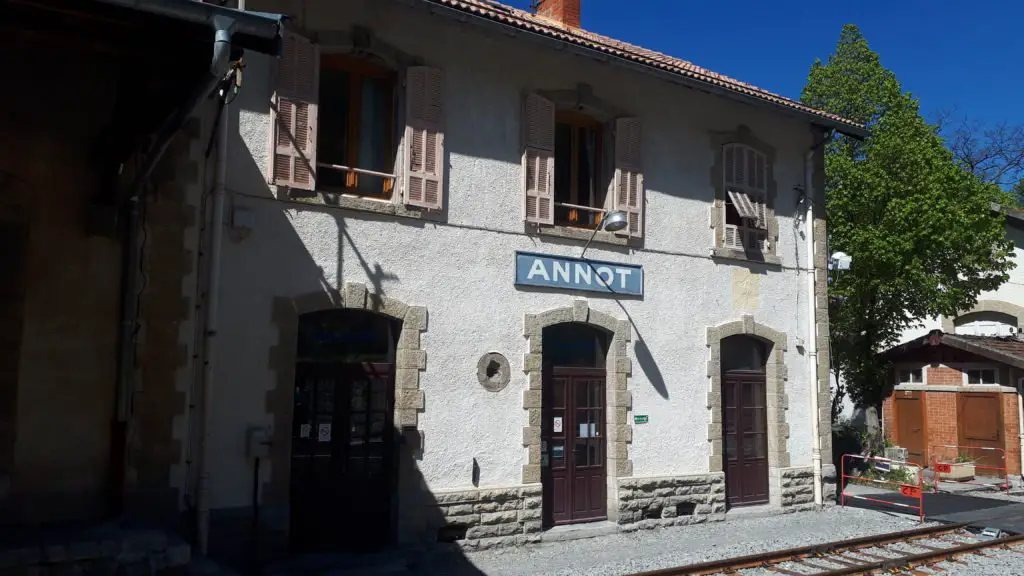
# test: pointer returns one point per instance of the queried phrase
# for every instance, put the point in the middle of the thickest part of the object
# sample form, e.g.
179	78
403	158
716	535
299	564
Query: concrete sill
333	200
745	256
582	234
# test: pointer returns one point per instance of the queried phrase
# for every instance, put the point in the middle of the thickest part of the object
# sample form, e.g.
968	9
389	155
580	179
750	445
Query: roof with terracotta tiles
531	22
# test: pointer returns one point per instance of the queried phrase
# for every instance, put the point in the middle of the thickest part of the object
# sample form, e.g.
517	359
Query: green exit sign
640	419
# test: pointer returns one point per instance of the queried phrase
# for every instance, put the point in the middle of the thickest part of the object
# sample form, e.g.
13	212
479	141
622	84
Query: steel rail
794	554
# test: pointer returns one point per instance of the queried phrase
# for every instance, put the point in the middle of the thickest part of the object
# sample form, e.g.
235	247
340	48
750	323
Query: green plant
964	458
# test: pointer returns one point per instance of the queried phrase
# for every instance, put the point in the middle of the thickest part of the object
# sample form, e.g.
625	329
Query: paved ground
626	553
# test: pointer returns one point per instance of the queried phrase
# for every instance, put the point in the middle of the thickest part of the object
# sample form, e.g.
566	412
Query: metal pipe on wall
812	329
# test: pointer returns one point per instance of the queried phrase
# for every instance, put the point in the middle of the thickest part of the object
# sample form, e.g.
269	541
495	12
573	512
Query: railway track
894	553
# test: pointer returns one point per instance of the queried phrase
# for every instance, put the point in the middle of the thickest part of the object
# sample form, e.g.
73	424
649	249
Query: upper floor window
746	197
579	149
911	376
565	167
981	376
355	139
334	127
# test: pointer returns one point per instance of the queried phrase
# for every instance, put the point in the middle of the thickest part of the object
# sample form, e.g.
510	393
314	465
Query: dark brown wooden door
574	473
745	442
980	425
343	466
910	425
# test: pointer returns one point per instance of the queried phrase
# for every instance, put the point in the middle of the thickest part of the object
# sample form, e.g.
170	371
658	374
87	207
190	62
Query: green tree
918	227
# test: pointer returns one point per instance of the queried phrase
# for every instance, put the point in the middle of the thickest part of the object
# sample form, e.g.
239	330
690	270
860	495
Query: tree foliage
918	227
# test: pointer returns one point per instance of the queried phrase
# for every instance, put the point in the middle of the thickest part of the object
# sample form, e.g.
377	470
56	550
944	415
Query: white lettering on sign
581	273
537	269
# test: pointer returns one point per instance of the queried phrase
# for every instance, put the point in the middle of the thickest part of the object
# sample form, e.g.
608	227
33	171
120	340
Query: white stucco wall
462	270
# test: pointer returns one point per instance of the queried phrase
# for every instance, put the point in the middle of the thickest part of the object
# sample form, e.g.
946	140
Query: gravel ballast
626	553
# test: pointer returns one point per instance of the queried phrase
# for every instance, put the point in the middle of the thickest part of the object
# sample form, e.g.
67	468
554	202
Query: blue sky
949	53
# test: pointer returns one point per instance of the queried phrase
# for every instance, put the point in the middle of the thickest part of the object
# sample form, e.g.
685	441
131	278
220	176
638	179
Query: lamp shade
615	221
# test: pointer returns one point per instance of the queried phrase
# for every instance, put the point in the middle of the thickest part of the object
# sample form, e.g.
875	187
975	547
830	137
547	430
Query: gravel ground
626	553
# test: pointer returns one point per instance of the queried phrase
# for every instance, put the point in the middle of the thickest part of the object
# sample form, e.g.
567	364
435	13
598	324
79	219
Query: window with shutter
629	178
355	146
424	138
745	180
538	159
294	152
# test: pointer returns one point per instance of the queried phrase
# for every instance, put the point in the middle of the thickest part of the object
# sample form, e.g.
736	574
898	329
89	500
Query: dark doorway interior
573	446
344	467
744	423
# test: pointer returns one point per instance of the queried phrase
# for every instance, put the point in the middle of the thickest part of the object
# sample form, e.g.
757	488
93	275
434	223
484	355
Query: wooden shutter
538	159
294	111
423	173
629	178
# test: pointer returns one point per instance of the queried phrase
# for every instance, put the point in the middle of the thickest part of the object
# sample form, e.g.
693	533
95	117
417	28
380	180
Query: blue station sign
570	273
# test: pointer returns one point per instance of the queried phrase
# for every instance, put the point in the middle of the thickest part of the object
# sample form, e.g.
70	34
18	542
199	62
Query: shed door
910	425
980	425
745	432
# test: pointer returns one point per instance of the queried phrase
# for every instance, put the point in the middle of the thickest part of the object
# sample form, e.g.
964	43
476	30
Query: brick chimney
565	12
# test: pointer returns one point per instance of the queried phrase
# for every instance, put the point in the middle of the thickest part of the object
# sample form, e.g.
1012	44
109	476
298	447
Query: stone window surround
998	306
741	135
777	400
619	399
410	361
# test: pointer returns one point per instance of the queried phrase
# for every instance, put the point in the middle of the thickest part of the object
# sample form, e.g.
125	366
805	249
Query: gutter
264	35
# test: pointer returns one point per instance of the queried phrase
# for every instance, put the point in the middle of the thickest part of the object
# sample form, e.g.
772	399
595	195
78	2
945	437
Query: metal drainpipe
222	48
812	331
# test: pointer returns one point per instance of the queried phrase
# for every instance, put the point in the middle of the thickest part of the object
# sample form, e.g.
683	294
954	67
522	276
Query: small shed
957	396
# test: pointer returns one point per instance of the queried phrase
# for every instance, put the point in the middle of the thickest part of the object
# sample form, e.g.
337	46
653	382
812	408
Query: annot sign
578	274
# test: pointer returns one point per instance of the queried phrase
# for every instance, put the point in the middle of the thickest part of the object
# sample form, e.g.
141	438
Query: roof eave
953	342
851	130
1014	217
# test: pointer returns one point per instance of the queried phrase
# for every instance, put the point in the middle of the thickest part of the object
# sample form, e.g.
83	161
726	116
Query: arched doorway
744	420
343	466
573	438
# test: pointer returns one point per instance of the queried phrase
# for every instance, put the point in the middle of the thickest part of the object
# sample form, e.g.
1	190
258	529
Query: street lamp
612	222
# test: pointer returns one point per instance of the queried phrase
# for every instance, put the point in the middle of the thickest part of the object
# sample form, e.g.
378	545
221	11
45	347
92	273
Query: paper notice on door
323	433
304	431
557	424
584	431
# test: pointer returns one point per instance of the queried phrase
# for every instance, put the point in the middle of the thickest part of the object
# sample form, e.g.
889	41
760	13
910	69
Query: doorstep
757	511
579	531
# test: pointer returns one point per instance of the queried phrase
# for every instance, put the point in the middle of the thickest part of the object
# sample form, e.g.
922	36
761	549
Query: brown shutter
629	178
538	159
424	138
294	111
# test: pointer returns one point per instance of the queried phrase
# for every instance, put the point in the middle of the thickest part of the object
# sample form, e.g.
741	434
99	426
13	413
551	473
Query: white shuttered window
745	219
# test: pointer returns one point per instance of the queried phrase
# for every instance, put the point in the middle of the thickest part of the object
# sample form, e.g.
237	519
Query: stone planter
959	472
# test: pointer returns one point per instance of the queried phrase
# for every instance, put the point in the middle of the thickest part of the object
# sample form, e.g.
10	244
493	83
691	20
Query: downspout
812	329
221	51
131	255
1020	425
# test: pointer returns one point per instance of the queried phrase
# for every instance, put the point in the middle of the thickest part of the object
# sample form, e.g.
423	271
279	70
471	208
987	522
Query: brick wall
940	416
1011	433
944	376
889	418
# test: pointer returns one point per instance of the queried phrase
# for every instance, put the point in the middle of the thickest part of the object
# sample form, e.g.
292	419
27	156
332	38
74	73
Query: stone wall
651	502
488	518
797	485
